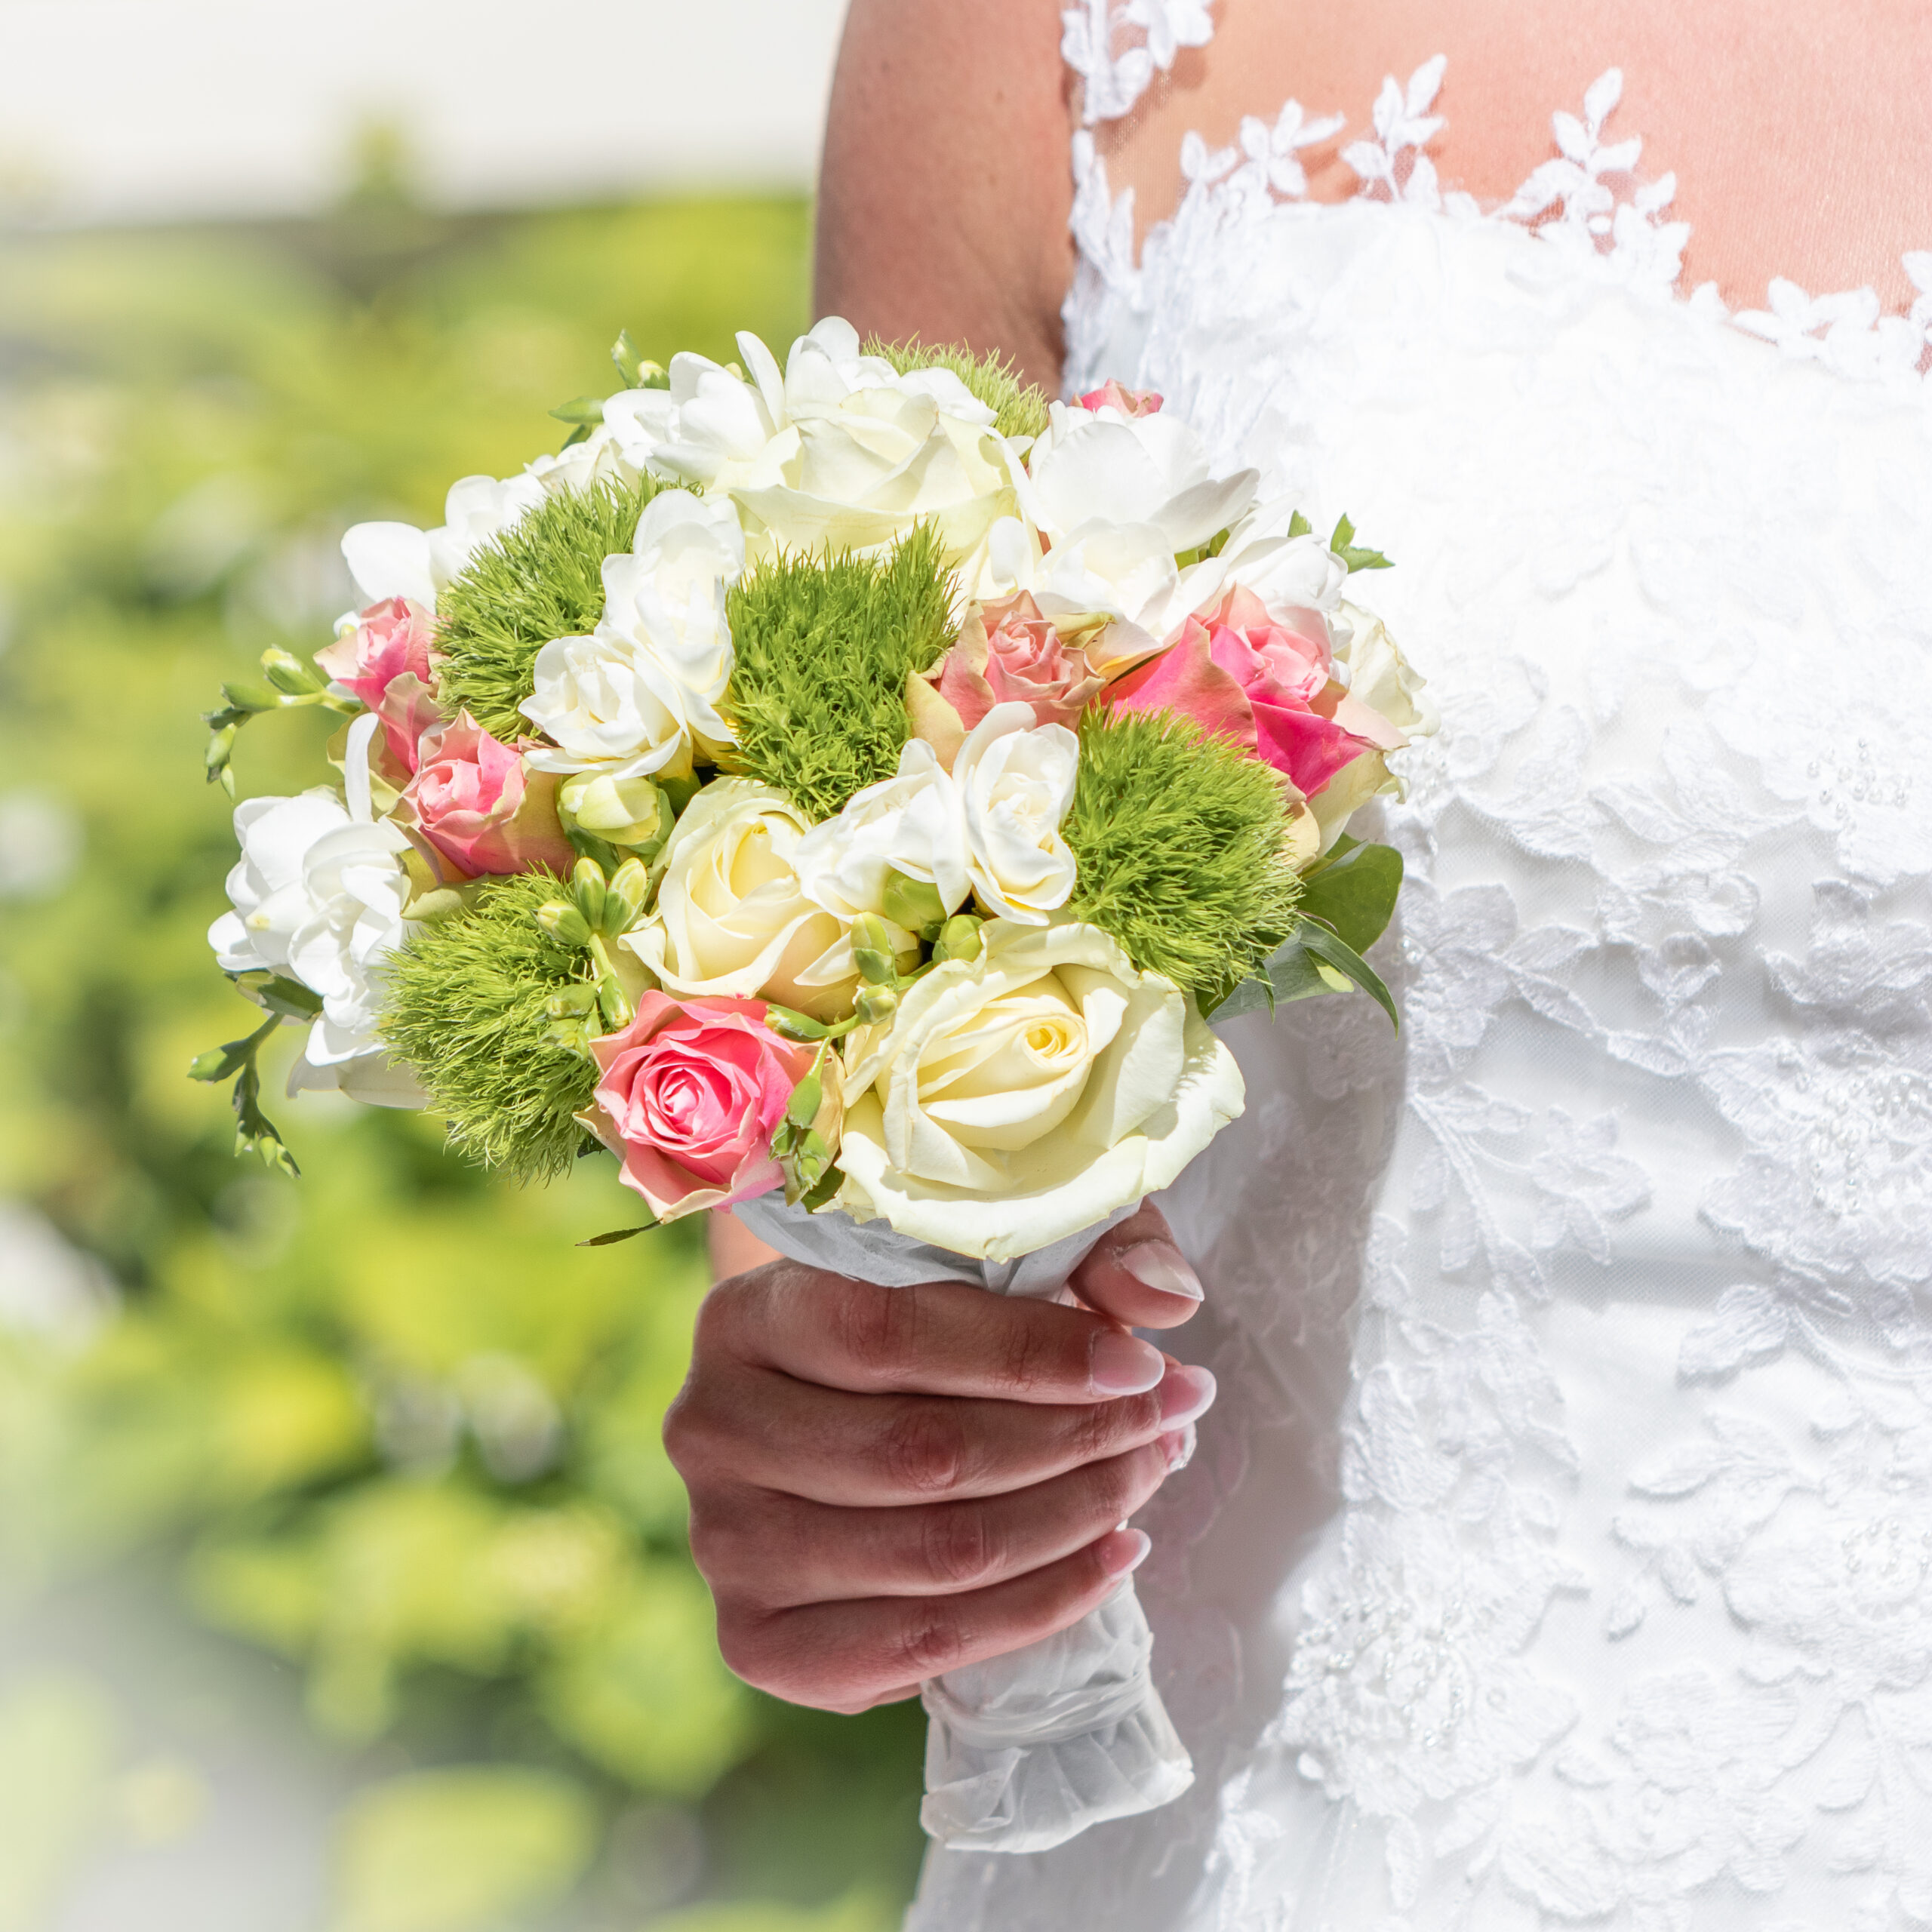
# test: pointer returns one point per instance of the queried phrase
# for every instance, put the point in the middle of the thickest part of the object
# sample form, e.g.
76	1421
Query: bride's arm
946	186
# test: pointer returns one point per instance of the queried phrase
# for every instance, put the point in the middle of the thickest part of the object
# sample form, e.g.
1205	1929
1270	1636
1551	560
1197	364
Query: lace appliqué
1117	46
1587	199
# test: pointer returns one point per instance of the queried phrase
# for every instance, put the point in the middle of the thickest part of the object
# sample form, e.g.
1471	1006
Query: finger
944	1338
1137	1275
845	1656
769	1431
778	1552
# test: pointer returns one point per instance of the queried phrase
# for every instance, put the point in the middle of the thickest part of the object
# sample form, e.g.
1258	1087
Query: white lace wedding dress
1560	1551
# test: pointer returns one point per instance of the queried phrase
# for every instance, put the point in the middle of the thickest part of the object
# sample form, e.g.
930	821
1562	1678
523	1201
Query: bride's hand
888	1483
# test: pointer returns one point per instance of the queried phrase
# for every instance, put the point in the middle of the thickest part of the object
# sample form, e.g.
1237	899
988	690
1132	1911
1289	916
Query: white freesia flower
397	560
911	823
1022	1097
1287	572
319	894
640	695
1015	783
839	450
1098	466
598	459
732	918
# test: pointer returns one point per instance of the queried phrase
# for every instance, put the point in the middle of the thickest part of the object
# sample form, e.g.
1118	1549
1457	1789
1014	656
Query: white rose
732	918
1022	1097
911	823
839	450
1092	467
1015	783
1378	675
640	695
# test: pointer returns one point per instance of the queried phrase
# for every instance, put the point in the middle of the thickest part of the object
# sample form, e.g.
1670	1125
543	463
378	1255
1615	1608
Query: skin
888	1483
1797	134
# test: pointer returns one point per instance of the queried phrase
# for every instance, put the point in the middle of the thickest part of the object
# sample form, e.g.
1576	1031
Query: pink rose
390	638
691	1093
1129	402
1267	682
477	809
387	661
1008	651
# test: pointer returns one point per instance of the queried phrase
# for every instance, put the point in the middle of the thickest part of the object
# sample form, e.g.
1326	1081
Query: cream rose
1025	1096
1014	780
1378	675
732	918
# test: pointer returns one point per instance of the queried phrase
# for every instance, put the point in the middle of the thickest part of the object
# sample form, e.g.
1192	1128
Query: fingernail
1178	1447
1156	1265
1120	1551
1187	1392
1122	1364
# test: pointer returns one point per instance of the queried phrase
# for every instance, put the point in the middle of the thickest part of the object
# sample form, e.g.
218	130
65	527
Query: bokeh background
343	1586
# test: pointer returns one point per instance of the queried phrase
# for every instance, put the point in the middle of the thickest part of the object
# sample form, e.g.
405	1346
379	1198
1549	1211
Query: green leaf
617	1235
1355	892
1330	950
828	1184
1352	553
288	999
1299	525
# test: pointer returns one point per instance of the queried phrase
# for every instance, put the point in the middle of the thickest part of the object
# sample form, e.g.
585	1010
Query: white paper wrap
1027	1750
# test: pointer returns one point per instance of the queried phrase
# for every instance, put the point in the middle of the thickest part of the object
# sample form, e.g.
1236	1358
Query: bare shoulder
945	189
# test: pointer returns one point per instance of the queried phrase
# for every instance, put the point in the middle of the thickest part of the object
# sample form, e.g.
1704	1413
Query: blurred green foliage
387	1421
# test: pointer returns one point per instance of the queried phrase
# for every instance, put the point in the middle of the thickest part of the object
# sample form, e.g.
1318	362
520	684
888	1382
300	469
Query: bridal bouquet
846	793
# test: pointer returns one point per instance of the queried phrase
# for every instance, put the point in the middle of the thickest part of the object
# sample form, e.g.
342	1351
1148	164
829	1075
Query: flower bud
632	813
564	923
875	1005
872	951
573	1003
629	893
588	889
959	938
913	903
288	674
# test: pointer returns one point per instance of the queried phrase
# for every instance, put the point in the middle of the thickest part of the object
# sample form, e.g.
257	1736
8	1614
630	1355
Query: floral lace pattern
1560	1552
1573	198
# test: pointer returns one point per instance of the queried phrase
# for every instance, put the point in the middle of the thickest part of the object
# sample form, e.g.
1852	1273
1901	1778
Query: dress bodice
1560	1551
